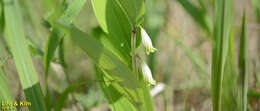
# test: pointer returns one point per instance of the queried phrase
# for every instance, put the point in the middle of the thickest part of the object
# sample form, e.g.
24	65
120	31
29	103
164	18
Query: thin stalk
134	52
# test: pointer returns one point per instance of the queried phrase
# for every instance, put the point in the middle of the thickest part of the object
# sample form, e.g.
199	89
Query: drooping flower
147	74
147	43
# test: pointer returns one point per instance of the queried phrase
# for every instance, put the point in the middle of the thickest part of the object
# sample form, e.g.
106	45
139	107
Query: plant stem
133	52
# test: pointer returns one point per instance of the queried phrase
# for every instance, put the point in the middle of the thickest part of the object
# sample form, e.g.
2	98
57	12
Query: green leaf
256	6
114	21
56	35
134	10
223	21
116	100
243	65
229	97
15	39
116	70
55	39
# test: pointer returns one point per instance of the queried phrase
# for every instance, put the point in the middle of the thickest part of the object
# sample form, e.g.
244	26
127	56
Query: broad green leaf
134	10
116	24
229	97
100	55
116	70
243	65
223	21
118	18
15	39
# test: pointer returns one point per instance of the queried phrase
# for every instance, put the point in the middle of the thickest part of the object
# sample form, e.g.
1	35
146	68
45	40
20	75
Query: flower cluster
147	43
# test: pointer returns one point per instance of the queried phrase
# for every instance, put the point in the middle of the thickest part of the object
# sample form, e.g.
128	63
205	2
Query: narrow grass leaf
54	40
199	15
223	20
15	39
5	91
244	65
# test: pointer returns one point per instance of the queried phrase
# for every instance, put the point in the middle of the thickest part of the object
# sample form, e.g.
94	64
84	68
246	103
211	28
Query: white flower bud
147	74
147	42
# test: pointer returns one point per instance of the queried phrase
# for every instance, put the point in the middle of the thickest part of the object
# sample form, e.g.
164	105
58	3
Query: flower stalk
134	66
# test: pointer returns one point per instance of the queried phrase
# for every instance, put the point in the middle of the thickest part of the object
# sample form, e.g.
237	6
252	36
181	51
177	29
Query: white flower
147	42
147	74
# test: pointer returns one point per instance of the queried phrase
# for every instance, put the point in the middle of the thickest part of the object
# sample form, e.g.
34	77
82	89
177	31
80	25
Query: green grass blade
69	15
244	65
199	15
15	39
55	37
223	19
5	92
229	94
256	6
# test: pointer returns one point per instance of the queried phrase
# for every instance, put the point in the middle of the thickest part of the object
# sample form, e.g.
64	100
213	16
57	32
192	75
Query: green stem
134	52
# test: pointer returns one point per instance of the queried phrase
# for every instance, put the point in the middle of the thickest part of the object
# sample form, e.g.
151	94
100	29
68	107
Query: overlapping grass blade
243	65
15	40
56	37
223	19
229	94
